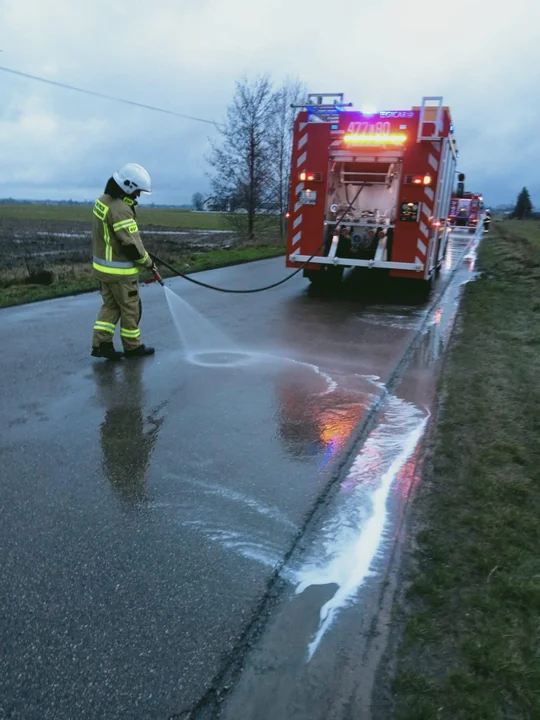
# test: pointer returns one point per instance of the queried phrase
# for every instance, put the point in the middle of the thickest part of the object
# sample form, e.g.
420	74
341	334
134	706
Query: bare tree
292	92
242	159
197	201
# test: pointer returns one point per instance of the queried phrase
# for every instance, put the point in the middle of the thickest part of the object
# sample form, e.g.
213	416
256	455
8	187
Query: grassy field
471	646
75	279
163	217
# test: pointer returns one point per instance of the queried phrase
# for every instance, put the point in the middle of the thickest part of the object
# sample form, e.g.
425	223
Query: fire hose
157	277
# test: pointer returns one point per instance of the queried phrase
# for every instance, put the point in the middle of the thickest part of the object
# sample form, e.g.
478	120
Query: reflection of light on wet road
457	242
314	418
352	536
471	256
408	475
453	252
337	424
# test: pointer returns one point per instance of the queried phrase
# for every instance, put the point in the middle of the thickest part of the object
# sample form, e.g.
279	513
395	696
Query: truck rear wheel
334	274
315	277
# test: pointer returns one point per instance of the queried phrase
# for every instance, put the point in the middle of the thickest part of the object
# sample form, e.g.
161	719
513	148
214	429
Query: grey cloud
185	55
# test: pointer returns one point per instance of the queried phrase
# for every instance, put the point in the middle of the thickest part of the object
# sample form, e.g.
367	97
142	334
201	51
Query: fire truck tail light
418	179
310	177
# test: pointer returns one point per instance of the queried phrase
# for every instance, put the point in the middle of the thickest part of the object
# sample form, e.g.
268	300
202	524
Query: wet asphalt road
144	505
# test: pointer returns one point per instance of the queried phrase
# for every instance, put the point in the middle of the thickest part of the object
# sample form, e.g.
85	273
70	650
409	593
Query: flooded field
23	241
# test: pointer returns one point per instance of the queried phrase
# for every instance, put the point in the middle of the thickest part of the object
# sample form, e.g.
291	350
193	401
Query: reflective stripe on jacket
114	229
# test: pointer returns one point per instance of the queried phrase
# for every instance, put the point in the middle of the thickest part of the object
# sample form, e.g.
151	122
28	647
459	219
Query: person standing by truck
118	253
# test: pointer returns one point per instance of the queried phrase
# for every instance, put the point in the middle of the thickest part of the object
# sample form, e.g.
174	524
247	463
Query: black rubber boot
106	350
141	351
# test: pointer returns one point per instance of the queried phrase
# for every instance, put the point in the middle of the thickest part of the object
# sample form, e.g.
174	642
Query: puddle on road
207	346
221	359
382	315
315	415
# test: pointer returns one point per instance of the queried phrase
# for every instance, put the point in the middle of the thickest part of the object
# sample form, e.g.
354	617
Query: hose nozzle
156	277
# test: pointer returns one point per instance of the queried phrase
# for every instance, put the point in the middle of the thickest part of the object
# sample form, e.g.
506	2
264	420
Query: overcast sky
185	55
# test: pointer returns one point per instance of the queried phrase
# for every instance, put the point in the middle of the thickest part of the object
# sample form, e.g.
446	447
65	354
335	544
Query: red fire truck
466	211
370	190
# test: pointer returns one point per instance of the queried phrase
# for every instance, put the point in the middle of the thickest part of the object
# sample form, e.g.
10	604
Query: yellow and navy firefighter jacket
117	246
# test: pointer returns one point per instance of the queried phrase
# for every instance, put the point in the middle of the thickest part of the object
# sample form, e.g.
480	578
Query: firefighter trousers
121	301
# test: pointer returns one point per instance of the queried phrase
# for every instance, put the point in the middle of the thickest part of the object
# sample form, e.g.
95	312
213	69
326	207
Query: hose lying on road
259	289
230	290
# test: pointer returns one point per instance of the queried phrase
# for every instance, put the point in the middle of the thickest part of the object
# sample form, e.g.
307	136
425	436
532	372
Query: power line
108	97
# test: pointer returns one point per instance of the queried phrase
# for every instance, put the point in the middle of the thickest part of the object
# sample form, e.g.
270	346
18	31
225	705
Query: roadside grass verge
471	643
77	278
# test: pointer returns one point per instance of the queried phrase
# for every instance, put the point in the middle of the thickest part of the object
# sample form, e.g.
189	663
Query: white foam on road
271	511
265	552
331	384
396	321
353	536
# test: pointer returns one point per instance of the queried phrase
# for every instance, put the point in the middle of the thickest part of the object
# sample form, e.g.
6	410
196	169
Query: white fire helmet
133	177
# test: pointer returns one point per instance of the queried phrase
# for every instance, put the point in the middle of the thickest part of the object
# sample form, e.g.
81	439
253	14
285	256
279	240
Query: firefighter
118	254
